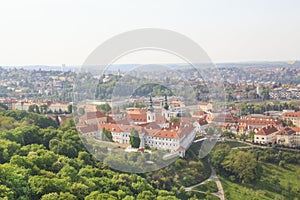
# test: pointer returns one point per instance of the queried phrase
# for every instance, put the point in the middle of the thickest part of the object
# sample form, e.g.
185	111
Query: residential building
293	117
286	137
266	135
205	106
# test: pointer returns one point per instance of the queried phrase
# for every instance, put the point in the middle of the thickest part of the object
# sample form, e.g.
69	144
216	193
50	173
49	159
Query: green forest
40	159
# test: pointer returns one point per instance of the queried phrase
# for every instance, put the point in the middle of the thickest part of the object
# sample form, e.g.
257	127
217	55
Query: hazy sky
57	31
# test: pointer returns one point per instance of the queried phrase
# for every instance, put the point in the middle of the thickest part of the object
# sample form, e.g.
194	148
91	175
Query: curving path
212	177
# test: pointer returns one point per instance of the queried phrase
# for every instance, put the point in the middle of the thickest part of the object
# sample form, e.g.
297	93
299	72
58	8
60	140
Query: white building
286	137
266	135
205	106
293	117
154	131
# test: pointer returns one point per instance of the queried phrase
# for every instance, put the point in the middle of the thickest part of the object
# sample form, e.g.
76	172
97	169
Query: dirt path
213	177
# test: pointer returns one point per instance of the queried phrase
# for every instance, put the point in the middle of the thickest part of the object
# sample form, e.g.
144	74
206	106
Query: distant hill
129	67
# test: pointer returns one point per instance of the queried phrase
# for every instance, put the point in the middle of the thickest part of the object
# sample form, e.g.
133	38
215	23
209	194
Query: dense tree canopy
50	162
134	139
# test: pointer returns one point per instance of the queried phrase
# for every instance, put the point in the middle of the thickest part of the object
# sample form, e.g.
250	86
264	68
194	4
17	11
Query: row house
251	123
286	136
293	117
285	94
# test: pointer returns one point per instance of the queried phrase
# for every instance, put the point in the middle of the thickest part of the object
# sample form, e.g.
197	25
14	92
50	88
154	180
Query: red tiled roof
151	125
109	127
296	129
137	117
93	115
260	121
186	120
172	133
136	111
88	129
110	120
161	119
119	128
121	121
175	124
292	114
202	122
200	113
164	133
267	130
286	131
224	118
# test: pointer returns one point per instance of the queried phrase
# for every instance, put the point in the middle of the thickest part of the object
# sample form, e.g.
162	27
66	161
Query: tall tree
241	164
107	136
70	108
134	138
104	108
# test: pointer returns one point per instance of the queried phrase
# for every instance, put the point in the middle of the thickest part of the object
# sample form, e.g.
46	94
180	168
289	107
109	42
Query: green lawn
276	183
233	144
200	195
210	186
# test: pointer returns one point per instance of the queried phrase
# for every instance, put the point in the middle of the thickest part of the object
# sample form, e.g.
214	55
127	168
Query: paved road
212	177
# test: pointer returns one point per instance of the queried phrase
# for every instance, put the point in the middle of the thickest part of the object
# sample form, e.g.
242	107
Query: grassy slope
209	185
271	186
233	144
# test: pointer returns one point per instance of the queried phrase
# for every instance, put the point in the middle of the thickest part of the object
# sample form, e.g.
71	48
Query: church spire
166	106
150	107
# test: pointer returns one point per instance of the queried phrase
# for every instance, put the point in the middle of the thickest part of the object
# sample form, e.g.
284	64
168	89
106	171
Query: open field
276	183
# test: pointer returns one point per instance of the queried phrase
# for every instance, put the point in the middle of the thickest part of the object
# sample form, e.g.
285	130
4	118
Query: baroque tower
165	109
150	112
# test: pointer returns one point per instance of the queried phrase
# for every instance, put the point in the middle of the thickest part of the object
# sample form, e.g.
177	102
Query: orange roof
267	130
164	133
88	129
136	111
161	119
109	127
224	118
119	128
202	122
209	118
200	113
188	119
260	121
292	114
151	125
171	133
296	129
286	131
137	117
93	115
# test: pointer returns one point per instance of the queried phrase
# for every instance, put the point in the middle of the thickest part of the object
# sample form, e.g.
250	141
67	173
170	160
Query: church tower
150	112
165	109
